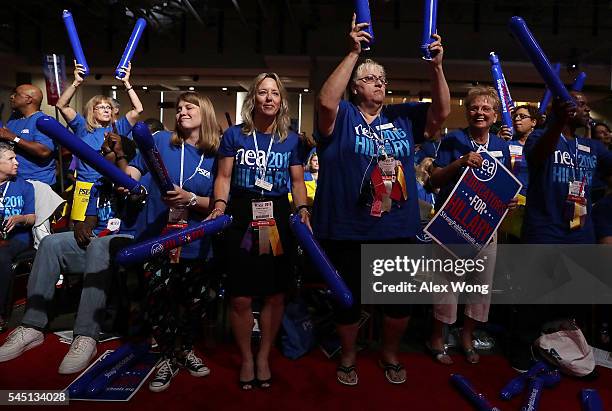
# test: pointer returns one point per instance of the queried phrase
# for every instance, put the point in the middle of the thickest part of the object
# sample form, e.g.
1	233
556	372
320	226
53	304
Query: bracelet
193	200
120	158
16	140
220	200
217	209
76	85
128	89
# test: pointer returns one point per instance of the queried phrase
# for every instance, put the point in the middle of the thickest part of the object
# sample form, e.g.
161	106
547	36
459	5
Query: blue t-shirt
18	200
519	164
106	204
198	175
458	143
94	139
602	217
31	167
347	158
282	156
545	222
428	149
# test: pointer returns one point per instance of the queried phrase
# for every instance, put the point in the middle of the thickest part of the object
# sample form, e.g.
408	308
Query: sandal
471	355
393	368
438	355
264	383
345	380
247	385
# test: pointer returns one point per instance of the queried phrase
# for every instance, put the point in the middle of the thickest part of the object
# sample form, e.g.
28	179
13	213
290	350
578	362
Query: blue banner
475	208
126	384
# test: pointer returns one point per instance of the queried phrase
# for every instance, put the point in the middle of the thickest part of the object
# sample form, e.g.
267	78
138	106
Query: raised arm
546	144
440	94
63	103
333	88
132	115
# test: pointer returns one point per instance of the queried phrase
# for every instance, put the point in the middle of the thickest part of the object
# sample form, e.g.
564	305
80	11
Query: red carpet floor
306	384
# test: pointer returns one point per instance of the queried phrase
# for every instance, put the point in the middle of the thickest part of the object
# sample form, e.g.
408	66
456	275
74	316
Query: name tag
113	224
516	150
384	126
263	184
496	153
262	210
584	148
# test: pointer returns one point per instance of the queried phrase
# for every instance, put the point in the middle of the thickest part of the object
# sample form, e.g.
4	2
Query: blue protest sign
127	383
475	208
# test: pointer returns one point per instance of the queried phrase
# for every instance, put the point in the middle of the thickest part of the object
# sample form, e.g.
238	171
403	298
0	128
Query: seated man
16	216
34	149
86	250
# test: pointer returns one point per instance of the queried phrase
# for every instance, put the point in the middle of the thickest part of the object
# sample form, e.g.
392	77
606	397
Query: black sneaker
165	372
194	365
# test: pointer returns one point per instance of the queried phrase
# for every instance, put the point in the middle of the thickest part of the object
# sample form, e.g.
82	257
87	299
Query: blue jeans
61	253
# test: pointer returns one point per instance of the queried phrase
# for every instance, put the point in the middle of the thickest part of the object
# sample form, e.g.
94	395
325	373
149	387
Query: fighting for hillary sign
475	208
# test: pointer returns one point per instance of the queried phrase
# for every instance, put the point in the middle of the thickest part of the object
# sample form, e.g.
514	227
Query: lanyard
574	158
437	147
182	165
379	139
264	167
479	147
4	195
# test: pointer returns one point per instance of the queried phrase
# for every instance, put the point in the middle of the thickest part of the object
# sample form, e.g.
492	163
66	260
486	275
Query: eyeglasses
484	109
103	108
371	79
520	116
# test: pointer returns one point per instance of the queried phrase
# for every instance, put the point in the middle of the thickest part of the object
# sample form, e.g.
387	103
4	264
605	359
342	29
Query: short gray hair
367	63
4	146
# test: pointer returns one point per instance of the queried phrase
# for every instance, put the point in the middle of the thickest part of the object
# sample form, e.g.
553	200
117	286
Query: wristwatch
16	140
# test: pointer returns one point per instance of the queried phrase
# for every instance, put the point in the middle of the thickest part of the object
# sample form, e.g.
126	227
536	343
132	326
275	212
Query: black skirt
251	274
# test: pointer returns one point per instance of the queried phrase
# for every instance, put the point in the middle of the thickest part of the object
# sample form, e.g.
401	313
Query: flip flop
438	355
347	371
471	355
396	368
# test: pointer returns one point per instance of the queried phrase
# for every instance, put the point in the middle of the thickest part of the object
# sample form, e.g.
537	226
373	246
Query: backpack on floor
564	346
298	337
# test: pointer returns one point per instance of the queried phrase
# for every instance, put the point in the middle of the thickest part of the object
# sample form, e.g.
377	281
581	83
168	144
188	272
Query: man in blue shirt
562	166
34	149
109	218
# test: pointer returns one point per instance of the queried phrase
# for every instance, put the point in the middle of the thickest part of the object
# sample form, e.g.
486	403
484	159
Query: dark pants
176	298
346	257
8	251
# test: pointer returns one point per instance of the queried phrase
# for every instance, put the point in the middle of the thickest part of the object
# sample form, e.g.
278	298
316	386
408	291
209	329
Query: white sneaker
165	372
82	351
19	341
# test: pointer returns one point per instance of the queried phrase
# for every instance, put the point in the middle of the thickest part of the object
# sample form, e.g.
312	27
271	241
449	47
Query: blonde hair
484	91
282	122
92	123
209	128
310	157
